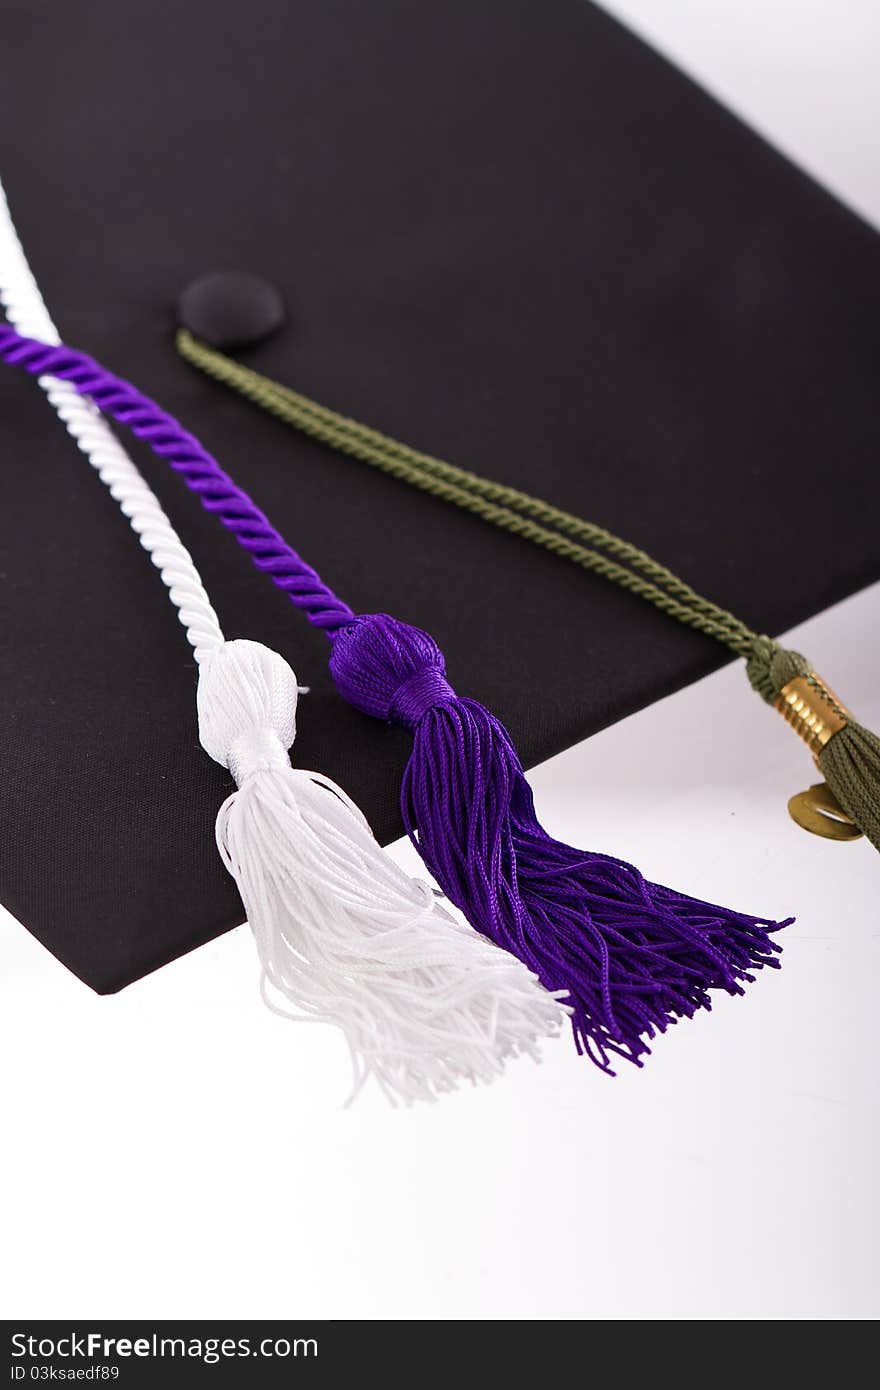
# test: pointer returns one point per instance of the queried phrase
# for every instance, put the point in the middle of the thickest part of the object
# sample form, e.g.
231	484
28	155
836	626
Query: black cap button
231	309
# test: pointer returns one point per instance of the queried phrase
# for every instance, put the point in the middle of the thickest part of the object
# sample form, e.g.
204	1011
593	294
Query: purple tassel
632	956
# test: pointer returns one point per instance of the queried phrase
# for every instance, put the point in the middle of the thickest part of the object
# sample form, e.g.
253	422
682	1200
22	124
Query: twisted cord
200	471
506	507
27	312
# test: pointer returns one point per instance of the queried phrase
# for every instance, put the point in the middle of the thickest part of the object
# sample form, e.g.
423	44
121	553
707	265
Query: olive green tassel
847	754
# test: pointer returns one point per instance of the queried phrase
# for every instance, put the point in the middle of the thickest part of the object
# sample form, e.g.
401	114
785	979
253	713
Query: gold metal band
812	710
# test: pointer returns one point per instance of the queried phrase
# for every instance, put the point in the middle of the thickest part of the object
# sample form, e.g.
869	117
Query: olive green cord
503	506
850	760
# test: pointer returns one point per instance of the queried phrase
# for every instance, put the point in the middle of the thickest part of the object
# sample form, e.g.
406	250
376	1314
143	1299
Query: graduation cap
612	285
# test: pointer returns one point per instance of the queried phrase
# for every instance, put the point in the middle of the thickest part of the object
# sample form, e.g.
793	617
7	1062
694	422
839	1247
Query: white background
177	1151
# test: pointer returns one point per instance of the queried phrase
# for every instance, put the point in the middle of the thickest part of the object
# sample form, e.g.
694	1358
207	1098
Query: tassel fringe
633	957
850	764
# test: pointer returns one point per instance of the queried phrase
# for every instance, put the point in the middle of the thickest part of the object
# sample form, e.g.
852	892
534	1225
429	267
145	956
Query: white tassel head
247	708
343	934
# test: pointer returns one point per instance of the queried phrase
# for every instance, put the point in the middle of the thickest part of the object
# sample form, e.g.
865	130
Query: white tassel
343	934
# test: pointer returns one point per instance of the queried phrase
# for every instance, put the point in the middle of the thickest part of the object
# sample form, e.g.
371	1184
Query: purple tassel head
389	669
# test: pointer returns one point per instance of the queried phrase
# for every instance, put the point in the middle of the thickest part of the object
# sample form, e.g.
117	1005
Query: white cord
26	311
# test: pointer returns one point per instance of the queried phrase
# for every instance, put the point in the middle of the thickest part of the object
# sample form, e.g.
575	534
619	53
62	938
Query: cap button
231	309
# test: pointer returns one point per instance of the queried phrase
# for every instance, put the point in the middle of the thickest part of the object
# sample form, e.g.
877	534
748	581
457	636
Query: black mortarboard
509	233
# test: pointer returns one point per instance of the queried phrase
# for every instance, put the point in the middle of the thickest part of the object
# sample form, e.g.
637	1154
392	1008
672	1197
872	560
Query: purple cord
200	470
631	956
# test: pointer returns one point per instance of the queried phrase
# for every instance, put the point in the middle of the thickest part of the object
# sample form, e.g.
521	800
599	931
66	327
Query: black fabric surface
506	232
